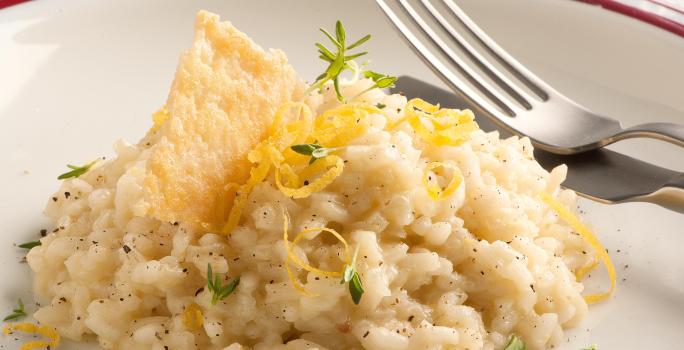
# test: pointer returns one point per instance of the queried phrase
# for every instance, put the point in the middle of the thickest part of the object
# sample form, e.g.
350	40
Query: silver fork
552	121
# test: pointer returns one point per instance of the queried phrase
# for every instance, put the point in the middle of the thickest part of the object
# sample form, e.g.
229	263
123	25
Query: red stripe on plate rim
8	3
662	22
675	8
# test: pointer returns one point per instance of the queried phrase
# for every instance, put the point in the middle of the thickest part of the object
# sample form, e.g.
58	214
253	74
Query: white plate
77	75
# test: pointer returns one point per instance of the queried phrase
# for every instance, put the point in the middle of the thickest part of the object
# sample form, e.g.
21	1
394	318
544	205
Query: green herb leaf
335	68
336	84
322	76
385	82
325	52
219	292
230	287
381	80
338	61
305	148
17	313
357	55
76	171
324	58
334	41
359	42
381	105
352	277
314	150
515	343
340	32
29	245
355	288
373	75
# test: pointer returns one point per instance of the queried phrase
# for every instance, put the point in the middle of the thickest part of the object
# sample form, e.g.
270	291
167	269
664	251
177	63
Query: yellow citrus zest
434	191
336	163
335	127
310	268
284	133
256	175
192	317
445	127
291	256
286	241
585	233
269	153
584	270
32	328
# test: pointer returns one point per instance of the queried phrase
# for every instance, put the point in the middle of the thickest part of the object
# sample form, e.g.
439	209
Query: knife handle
670	196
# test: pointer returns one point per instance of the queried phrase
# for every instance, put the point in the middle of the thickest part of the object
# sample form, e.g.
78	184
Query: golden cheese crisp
221	104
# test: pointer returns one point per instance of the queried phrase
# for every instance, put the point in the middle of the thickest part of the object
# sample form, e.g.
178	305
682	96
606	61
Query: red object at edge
664	23
8	3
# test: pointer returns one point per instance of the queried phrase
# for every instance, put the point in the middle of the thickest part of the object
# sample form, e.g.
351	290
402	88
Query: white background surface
76	75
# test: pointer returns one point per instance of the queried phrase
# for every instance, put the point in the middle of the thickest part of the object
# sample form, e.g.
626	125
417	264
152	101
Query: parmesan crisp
222	102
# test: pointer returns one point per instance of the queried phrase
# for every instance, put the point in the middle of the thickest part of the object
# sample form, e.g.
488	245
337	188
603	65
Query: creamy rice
460	273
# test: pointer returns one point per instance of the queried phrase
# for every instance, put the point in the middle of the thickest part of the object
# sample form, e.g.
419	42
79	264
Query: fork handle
670	132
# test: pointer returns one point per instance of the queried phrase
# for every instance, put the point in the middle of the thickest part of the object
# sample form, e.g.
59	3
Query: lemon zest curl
433	189
588	236
32	328
292	257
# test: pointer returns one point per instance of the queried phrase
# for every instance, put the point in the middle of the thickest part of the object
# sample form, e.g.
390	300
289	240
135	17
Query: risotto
374	222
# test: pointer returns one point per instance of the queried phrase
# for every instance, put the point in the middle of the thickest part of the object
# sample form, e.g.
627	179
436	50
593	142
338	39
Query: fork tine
494	95
518	70
447	75
495	74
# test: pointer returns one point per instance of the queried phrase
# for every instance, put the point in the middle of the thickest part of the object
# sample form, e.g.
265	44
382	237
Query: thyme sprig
29	245
219	291
314	150
77	171
342	60
352	277
17	313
